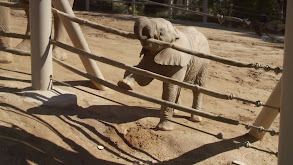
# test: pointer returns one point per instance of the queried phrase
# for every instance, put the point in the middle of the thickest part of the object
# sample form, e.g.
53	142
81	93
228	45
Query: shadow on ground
18	146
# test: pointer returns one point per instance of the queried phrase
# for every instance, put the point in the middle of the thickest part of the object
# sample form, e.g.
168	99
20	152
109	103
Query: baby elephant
169	62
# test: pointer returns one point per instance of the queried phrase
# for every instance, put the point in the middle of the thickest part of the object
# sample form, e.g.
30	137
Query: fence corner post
41	49
286	123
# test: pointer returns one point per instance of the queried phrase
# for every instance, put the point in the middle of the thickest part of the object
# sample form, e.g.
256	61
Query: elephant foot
165	125
124	84
196	118
25	45
6	58
59	54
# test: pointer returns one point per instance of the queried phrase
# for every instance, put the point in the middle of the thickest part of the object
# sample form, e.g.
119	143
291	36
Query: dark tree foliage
151	9
251	9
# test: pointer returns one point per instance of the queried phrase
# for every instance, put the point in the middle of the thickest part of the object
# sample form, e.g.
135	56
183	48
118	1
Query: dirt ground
123	125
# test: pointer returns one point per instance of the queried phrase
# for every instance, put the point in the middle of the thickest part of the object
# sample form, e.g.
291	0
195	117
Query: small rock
100	147
236	162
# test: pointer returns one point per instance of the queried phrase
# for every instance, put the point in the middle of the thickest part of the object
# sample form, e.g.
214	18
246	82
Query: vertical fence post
75	34
133	7
87	5
186	3
286	122
230	10
205	10
41	49
267	115
170	12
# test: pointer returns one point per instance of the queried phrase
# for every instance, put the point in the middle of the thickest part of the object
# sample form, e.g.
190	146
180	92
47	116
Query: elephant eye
162	32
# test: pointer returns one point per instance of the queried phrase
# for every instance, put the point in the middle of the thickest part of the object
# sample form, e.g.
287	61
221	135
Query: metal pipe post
41	49
286	114
205	10
78	40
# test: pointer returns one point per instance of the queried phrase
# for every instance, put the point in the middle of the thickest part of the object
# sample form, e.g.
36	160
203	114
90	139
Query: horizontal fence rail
95	25
173	46
14	51
157	101
158	76
174	7
136	70
147	98
215	58
165	44
162	78
13	5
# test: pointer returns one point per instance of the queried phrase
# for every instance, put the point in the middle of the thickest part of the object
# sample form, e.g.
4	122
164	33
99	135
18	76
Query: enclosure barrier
163	102
173	46
154	100
142	72
147	73
159	77
95	25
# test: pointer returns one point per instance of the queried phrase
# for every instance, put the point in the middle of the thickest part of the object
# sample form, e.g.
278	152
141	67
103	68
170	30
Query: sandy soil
34	134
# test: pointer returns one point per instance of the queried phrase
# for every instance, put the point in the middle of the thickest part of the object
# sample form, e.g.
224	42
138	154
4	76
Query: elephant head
156	28
163	30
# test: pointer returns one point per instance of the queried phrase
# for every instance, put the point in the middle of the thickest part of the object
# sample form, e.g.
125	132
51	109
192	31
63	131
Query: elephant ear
172	57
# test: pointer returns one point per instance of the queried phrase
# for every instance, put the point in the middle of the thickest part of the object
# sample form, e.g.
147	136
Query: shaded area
109	113
79	126
209	150
18	146
104	114
85	83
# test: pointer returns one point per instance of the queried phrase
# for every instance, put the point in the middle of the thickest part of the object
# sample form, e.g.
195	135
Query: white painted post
186	3
267	115
286	122
133	7
205	10
78	40
170	12
41	49
87	5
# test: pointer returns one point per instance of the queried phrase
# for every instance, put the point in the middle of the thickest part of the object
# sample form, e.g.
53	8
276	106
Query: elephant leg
178	100
5	41
166	113
170	93
197	96
25	43
130	78
197	102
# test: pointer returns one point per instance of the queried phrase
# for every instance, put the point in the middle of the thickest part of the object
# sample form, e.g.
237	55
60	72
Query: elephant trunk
143	28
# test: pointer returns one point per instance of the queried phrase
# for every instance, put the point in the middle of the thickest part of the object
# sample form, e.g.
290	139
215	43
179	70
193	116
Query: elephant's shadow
117	114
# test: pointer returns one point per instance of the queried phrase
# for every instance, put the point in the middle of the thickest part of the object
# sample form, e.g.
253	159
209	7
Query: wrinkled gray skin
59	35
170	63
5	26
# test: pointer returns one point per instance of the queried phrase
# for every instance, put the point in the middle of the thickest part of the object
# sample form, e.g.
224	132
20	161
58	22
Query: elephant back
198	41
